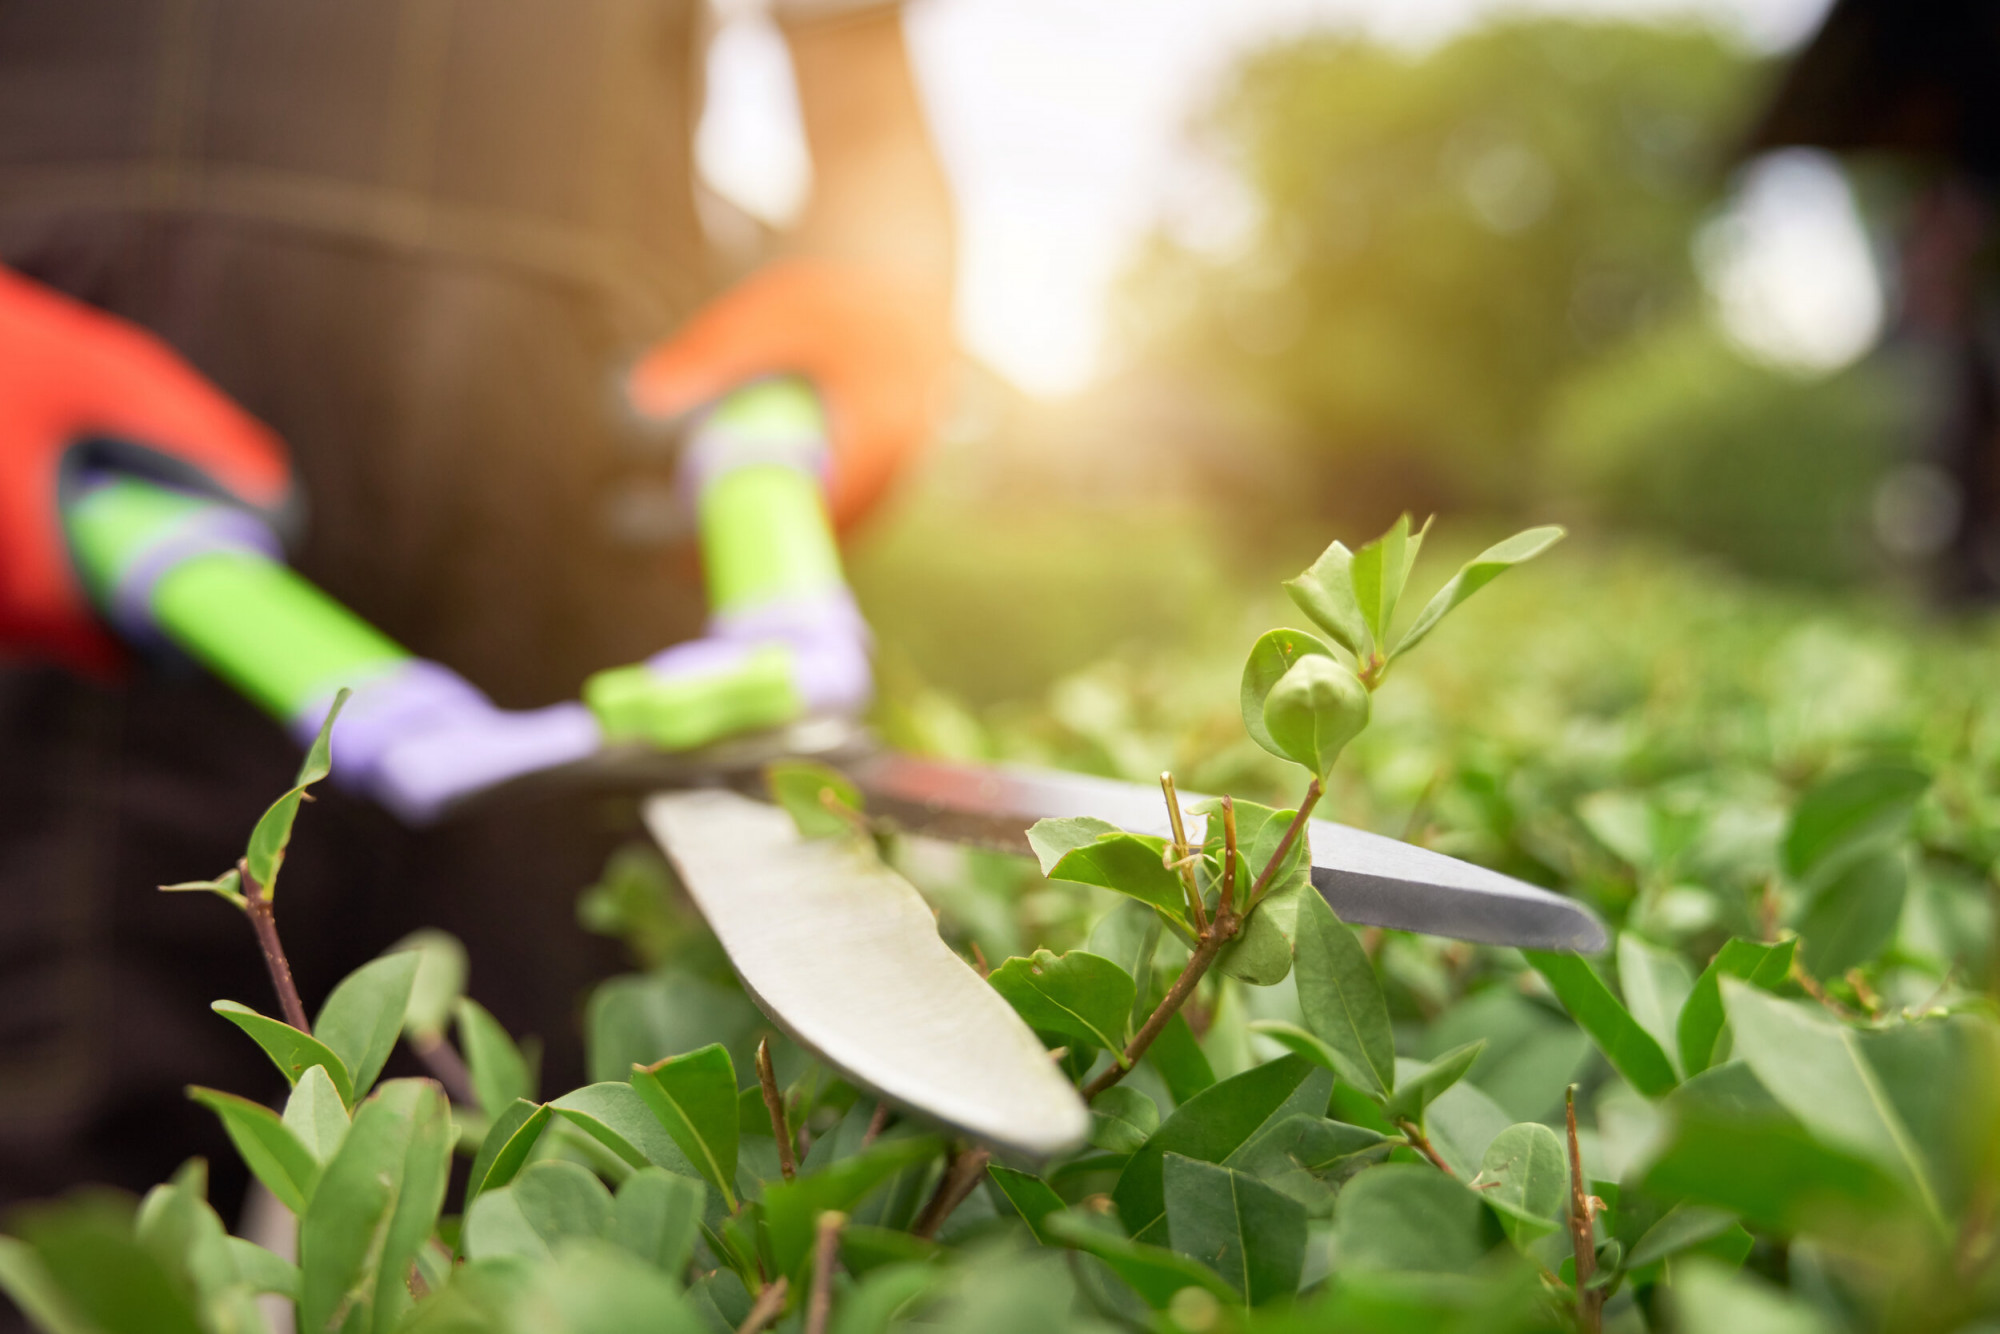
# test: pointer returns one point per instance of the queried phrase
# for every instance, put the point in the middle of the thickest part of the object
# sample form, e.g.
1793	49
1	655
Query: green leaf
187	1237
1408	1217
1701	1022
866	1247
504	1152
1181	1062
657	1216
264	1272
1121	1119
880	1295
1632	1051
1474	575
1307	1156
316	1115
362	1019
1681	1227
1415	1090
1031	1196
1710	1296
792	1208
1848	813
269	1149
1341	999
1252	1235
1215	1126
83	1262
376	1204
1055	838
1271	657
819	798
273	833
228	885
1525	1178
1314	710
1132	864
1380	570
1852	917
594	1287
499	1073
291	1051
694	1096
440	981
616	1116
1771	1172
1656	985
550	1202
1129	935
1815	1068
1154	1272
28	1283
1325	592
1079	995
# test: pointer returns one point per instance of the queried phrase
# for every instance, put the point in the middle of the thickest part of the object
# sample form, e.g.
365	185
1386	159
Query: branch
1583	1238
774	1103
819	1298
1219	933
1422	1144
961	1173
769	1302
1298	825
1181	862
266	926
876	1124
448	1068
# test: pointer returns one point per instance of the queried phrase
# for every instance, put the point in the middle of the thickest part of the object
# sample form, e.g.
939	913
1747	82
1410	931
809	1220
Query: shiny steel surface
844	956
1368	879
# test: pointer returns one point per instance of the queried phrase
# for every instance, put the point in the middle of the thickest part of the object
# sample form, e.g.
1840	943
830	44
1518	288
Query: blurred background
1238	278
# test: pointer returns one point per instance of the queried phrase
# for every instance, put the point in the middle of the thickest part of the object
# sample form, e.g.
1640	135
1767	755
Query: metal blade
1368	879
844	956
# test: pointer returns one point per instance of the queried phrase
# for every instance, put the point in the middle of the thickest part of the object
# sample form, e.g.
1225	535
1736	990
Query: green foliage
1078	994
819	798
1773	1147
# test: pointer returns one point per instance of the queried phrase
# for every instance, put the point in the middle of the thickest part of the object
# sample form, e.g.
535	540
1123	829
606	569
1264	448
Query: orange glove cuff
875	345
70	374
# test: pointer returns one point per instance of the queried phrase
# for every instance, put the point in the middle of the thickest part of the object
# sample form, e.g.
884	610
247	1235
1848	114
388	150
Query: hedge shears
838	950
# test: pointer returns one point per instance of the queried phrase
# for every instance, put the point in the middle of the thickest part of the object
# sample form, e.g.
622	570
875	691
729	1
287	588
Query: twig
1811	986
774	1103
1422	1144
765	1309
1583	1237
819	1298
1313	791
448	1068
1219	933
876	1123
265	924
961	1173
1182	854
1226	900
979	960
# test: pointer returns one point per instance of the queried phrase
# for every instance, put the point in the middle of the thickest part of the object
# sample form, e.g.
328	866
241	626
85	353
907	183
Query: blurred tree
1444	238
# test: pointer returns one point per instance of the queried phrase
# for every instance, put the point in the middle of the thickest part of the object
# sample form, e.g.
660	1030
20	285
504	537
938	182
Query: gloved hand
821	379
78	387
785	640
875	345
414	736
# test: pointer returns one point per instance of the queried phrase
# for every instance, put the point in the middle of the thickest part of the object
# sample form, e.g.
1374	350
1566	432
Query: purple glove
422	737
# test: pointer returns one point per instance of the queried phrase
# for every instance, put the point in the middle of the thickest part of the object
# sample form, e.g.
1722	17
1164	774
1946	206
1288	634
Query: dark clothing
420	239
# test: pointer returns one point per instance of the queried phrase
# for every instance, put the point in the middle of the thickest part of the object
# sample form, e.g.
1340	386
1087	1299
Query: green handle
269	633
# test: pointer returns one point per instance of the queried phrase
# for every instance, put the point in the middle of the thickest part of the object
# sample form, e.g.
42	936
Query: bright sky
1062	122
